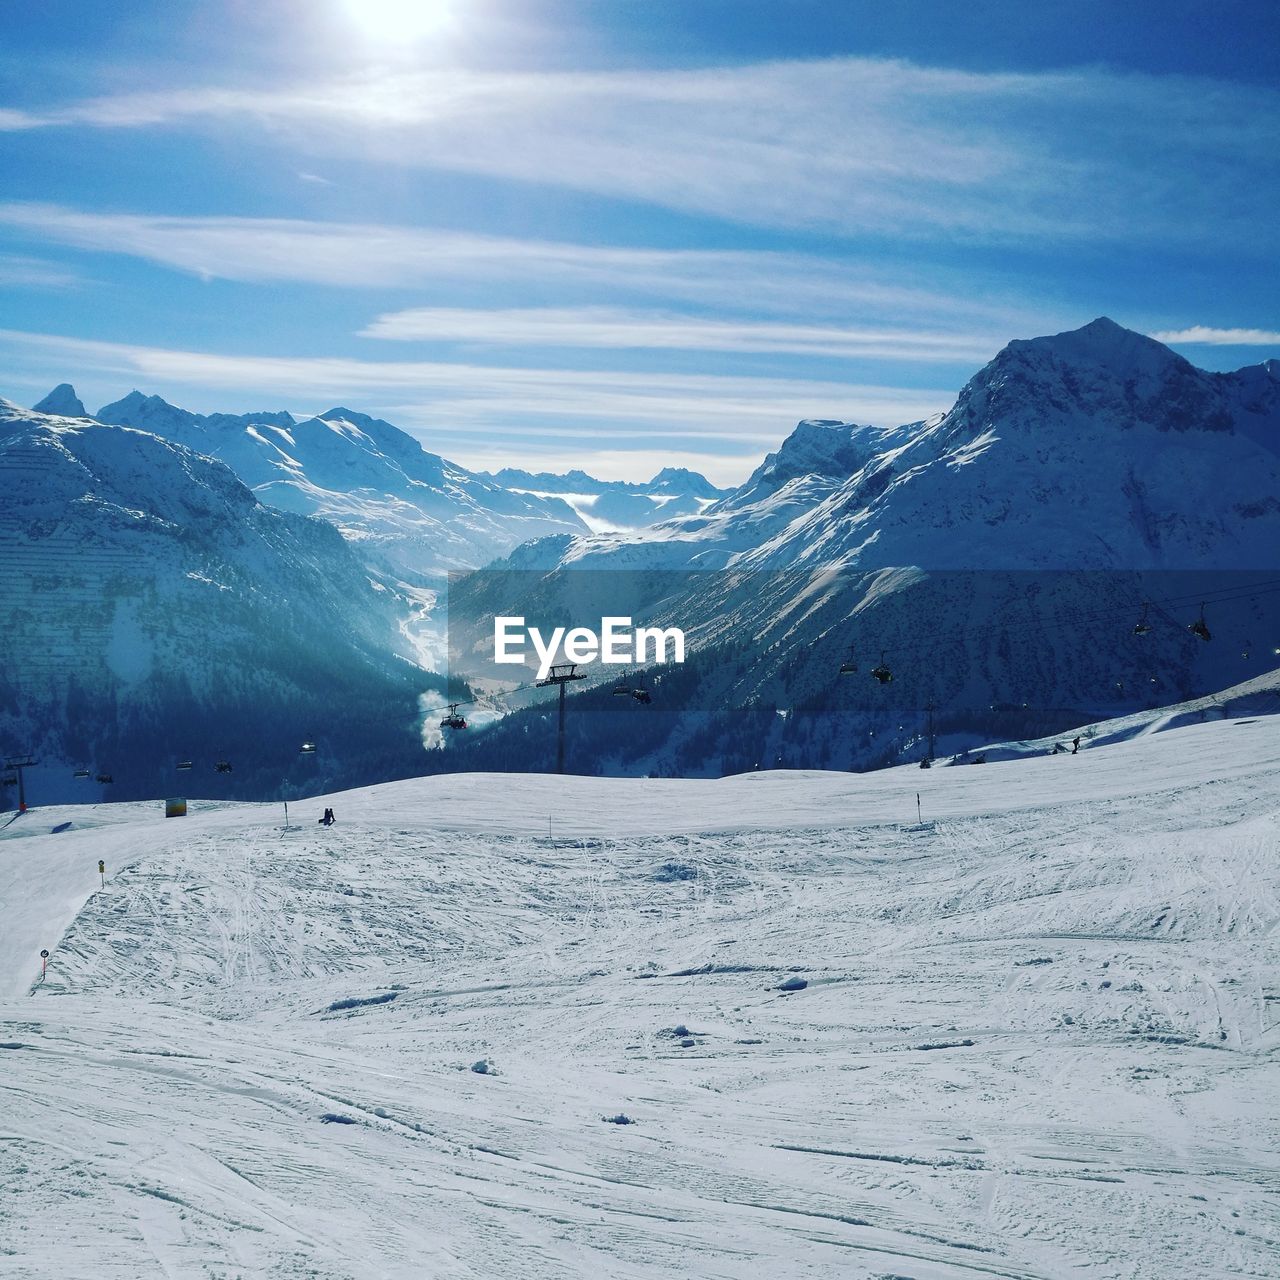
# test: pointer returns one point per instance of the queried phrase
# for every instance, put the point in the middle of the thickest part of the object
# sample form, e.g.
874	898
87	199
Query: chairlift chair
104	778
308	748
622	689
641	695
849	667
82	773
1200	627
1142	627
881	671
223	766
453	720
184	766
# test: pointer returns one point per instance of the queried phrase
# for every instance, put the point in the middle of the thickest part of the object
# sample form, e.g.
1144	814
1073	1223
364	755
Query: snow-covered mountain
410	513
1099	448
619	504
63	401
998	556
154	610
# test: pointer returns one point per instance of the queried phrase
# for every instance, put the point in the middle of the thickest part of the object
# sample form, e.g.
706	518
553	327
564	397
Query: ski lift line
1171	603
1113	615
1217	596
619	688
1166	607
510	693
1221	595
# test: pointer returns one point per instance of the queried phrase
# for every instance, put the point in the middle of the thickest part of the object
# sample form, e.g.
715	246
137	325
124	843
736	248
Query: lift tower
17	764
561	675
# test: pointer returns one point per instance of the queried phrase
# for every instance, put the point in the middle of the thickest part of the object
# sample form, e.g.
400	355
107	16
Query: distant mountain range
997	556
411	513
620	504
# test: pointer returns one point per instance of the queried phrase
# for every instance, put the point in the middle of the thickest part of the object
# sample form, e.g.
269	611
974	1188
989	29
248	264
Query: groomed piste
1029	1029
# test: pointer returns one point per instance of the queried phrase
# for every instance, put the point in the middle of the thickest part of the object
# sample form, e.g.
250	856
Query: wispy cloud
852	145
19	272
364	255
617	328
492	401
1203	334
14	121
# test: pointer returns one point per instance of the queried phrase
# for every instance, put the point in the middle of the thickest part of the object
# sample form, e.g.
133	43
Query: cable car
1142	626
184	766
82	773
104	778
453	720
1200	627
308	748
223	766
881	672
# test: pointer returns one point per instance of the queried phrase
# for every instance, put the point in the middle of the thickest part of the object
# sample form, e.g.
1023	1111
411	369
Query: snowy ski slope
1038	1037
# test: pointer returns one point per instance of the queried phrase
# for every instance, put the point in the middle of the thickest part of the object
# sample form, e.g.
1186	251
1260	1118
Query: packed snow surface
1034	1035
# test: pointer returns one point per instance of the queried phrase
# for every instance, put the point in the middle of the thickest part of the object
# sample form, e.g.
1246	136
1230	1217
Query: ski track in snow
1038	1038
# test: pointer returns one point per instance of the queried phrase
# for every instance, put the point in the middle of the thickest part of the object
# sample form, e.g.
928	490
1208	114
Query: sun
394	21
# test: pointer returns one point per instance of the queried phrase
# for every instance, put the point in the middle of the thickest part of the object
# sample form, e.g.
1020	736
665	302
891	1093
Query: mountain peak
146	412
681	480
63	402
1102	343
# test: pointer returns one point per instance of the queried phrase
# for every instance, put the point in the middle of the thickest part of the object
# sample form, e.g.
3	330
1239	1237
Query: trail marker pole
919	819
44	964
102	872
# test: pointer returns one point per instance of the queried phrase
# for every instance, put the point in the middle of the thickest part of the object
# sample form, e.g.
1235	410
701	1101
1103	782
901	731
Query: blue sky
622	235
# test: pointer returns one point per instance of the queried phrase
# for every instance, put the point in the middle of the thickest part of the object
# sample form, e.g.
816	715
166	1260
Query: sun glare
394	21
